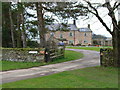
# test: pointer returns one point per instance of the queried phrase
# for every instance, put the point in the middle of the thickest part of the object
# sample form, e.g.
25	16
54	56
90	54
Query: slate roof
94	36
55	27
72	27
108	38
84	30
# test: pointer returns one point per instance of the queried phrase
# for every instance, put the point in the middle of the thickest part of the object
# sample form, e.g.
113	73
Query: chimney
89	26
74	22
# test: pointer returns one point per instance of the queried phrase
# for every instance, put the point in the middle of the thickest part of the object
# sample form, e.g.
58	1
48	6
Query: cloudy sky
95	25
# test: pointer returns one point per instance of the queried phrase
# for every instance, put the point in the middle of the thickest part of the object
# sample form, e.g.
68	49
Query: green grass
91	77
69	55
89	48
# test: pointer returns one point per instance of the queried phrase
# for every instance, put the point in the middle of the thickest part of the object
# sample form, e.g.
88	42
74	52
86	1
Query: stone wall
23	54
106	57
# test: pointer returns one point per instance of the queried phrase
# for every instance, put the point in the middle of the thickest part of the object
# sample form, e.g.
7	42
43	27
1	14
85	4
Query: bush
78	44
107	57
32	44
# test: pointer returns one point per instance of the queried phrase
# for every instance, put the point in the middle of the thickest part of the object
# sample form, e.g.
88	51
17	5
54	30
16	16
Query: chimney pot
89	26
74	22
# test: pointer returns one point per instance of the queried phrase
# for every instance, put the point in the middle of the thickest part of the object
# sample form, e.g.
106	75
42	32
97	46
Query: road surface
91	58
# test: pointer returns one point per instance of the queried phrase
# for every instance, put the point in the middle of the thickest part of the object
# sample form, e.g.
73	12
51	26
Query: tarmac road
91	58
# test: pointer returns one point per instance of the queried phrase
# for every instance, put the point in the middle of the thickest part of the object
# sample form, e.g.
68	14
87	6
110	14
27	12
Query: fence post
101	56
54	52
63	50
47	54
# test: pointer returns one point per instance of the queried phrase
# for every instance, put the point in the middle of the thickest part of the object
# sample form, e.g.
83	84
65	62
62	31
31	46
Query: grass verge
69	55
89	48
91	77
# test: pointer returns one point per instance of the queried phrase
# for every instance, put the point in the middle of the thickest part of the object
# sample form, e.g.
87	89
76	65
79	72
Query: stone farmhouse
101	40
70	34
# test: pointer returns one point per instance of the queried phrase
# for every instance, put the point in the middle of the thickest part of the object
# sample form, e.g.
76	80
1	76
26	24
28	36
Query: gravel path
91	58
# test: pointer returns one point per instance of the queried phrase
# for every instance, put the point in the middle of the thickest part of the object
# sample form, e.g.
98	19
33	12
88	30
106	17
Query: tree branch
112	14
116	6
98	16
92	7
104	24
89	10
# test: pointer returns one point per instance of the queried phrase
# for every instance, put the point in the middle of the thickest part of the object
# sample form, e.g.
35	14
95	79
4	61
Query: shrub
107	57
32	44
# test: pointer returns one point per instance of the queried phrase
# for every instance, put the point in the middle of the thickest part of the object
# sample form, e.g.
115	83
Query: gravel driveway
91	58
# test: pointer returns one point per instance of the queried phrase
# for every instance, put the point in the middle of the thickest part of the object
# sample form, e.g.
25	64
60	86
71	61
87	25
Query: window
71	42
100	42
71	34
85	41
61	36
85	34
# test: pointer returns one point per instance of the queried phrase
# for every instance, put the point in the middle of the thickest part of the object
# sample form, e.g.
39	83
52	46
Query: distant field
88	48
9	65
91	77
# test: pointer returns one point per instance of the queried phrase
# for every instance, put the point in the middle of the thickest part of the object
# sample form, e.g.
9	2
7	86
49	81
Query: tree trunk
23	31
41	26
119	44
12	27
18	31
116	47
19	21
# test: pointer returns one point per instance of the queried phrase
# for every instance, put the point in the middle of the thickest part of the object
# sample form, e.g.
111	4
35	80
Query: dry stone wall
23	54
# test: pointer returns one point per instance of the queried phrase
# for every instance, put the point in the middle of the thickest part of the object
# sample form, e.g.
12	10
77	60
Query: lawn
69	55
90	77
89	48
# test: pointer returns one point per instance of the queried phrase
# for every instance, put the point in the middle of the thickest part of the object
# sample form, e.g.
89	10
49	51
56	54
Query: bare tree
116	26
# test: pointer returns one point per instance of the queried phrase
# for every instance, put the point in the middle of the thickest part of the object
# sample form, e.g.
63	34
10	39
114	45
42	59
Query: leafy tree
63	10
16	13
32	44
11	26
6	33
21	24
